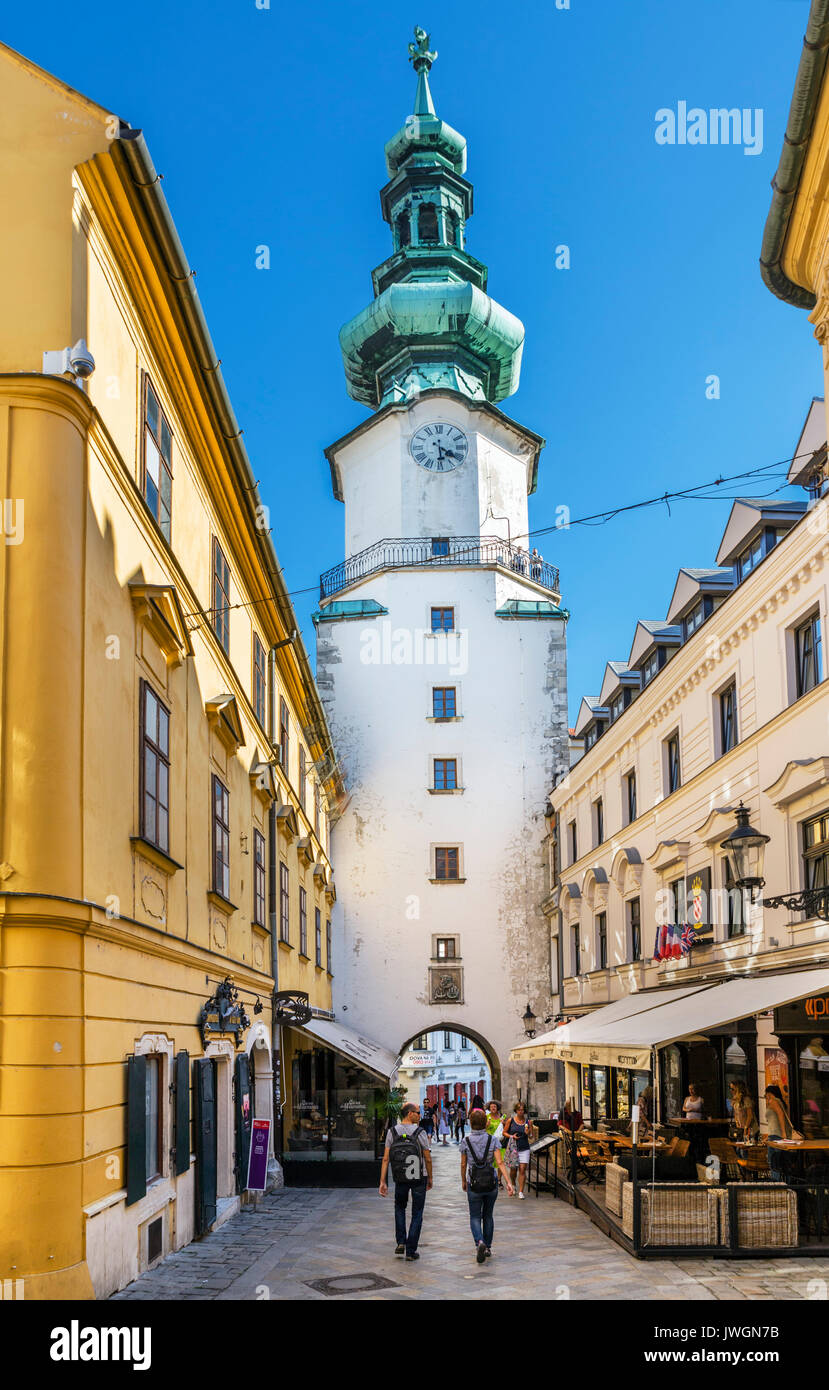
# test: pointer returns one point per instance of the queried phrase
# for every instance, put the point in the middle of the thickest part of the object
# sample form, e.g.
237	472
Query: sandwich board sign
258	1157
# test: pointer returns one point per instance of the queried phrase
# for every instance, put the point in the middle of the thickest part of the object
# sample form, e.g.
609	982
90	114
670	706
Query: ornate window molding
158	608
225	721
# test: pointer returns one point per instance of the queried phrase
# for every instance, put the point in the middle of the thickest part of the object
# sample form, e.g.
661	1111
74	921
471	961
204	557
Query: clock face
439	447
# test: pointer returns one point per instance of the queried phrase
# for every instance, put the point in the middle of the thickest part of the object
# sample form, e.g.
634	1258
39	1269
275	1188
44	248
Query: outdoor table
625	1142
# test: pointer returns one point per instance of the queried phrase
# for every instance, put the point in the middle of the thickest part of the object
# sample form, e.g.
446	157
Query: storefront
705	1035
802	1031
335	1088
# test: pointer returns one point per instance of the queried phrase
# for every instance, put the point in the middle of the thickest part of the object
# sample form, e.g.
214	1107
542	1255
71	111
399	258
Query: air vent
155	1240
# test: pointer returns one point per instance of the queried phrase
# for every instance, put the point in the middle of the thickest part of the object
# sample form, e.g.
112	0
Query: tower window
404	232
444	705
443	620
446	774
452	229
427	224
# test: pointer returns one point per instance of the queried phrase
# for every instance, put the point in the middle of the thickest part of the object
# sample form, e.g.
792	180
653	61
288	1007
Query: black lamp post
747	848
529	1020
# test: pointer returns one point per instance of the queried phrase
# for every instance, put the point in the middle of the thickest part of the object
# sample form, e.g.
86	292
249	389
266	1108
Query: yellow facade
109	945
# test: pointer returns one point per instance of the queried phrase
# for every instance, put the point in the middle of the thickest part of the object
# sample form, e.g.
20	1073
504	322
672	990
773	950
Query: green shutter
136	1129
244	1111
182	1112
204	1096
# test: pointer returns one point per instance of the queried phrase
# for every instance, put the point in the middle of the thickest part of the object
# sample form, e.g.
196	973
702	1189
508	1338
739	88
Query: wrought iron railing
419	552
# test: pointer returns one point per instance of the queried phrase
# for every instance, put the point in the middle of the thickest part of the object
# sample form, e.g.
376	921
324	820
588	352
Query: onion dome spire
432	326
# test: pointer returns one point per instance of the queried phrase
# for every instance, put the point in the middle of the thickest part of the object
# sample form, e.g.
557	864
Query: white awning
656	1023
581	1040
370	1054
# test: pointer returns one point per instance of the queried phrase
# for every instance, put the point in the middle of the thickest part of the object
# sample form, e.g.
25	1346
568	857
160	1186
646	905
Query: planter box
766	1215
673	1214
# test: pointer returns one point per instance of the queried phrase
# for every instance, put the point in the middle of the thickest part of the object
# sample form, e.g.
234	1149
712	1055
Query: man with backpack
408	1155
479	1182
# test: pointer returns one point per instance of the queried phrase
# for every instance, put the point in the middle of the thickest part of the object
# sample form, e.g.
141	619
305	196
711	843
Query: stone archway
450	1025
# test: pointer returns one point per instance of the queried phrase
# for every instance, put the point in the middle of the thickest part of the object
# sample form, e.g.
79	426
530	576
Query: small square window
446	774
447	862
443	620
440	545
445	948
444	703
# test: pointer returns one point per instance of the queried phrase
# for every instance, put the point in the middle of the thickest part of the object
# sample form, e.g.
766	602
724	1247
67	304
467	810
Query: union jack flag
688	939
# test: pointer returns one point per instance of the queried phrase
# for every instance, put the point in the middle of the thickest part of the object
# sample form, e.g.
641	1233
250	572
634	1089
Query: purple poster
258	1160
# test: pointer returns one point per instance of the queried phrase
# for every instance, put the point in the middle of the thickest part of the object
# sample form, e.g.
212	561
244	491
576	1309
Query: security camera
81	361
76	361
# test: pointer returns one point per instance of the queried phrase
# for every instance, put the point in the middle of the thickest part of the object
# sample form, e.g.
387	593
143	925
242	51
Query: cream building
722	702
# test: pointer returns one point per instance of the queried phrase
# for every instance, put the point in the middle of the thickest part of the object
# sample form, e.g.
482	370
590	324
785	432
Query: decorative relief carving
218	932
153	898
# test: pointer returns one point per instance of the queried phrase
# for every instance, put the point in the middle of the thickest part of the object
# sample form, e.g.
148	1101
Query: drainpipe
276	1029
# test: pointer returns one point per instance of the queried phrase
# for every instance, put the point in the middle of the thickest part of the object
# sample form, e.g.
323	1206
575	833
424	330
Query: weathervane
419	52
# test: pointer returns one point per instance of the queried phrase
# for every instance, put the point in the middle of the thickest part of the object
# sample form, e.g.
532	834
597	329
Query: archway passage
448	1063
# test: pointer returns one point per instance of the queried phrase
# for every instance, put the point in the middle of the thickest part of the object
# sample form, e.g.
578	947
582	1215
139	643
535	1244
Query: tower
440	637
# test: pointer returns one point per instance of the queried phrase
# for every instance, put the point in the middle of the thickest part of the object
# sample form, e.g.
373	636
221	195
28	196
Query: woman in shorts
518	1131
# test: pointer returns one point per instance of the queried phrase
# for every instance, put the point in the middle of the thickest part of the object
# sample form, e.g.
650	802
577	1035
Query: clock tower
440	639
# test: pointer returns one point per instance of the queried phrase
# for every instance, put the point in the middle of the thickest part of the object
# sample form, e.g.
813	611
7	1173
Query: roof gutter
786	180
131	148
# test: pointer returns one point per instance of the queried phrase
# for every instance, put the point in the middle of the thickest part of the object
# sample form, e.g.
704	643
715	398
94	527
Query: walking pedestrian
443	1126
518	1131
478	1152
476	1103
460	1120
495	1127
408	1155
428	1123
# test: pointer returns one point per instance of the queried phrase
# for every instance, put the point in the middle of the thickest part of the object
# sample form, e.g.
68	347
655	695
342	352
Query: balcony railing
419	553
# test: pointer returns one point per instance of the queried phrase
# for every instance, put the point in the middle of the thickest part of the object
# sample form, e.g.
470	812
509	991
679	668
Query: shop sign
802	1016
258	1158
223	1012
353	1105
420	1059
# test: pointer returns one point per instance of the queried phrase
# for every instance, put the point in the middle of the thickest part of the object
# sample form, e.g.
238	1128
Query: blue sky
269	129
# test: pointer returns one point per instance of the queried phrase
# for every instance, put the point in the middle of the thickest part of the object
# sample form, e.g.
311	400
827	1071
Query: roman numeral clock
439	447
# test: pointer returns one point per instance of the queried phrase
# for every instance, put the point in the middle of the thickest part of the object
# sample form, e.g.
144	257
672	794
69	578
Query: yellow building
794	259
167	775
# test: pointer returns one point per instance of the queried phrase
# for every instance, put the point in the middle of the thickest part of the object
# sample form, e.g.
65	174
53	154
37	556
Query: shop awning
582	1040
625	1040
370	1054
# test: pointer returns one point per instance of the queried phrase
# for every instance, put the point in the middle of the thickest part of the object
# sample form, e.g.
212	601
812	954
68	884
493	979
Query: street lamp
747	847
529	1020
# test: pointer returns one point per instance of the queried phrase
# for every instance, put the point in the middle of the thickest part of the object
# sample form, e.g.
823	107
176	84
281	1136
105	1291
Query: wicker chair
680	1214
731	1165
766	1215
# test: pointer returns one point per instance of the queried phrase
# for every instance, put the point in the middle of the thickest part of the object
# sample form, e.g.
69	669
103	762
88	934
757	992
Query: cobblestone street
543	1249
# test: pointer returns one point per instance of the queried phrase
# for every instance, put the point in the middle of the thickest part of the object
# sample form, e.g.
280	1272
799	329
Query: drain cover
351	1283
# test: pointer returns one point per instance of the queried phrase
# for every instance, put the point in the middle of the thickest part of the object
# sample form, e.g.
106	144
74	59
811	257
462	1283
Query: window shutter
243	1120
182	1113
205	1137
136	1129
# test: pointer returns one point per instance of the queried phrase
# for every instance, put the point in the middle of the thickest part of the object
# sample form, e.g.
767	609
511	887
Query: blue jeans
482	1216
401	1199
777	1162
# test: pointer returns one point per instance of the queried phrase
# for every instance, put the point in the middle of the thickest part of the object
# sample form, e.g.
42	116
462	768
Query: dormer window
650	667
695	618
750	558
593	733
427	225
617	704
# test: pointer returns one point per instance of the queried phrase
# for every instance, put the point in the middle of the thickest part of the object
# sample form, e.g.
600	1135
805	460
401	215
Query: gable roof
748	517
616	674
652	632
591	708
690	583
810	450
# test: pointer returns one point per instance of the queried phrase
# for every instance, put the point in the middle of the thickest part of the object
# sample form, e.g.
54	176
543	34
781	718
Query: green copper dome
432	325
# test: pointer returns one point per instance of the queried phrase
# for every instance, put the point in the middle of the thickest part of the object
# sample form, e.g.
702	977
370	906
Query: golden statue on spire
419	51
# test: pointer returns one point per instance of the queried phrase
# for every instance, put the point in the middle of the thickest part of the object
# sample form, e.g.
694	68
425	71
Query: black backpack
406	1156
480	1174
